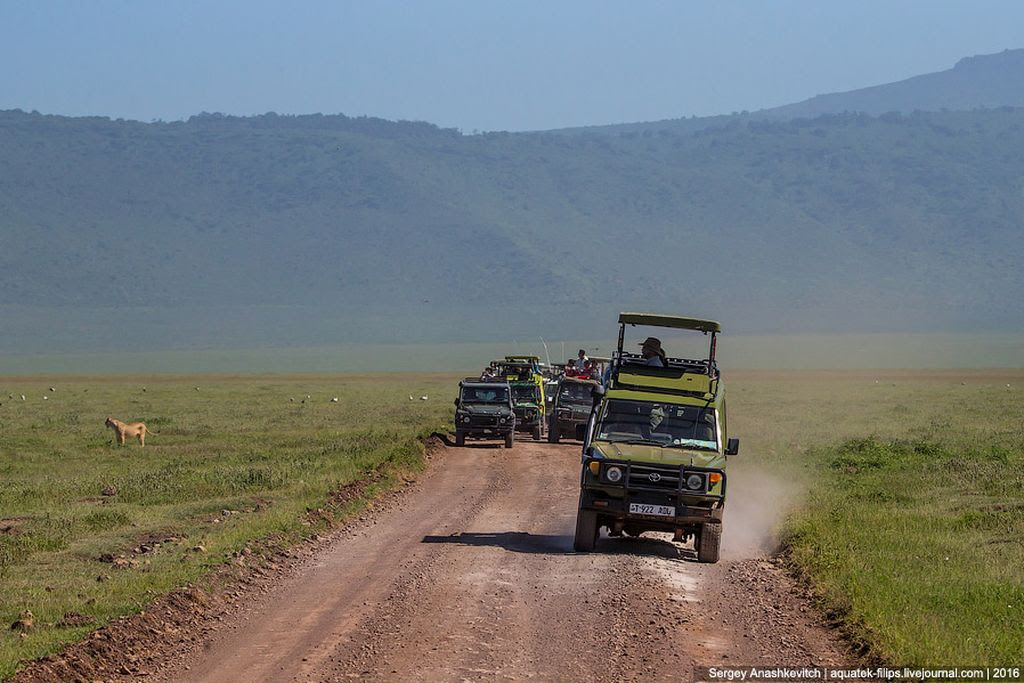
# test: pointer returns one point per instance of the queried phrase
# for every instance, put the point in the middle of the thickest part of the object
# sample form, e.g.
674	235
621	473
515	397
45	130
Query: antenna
546	354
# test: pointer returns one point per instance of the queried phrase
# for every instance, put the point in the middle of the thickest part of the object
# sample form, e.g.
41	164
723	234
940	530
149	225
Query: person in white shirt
581	360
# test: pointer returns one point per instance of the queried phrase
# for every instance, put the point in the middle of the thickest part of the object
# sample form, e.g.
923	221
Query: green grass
237	444
918	547
911	529
900	470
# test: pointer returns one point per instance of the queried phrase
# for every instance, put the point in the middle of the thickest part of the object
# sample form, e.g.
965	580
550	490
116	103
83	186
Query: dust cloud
758	502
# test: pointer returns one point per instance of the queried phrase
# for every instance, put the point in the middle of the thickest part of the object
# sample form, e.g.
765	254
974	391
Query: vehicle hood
484	409
668	456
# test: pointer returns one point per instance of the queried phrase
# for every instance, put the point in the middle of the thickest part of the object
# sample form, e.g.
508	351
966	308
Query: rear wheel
586	531
460	438
709	542
509	438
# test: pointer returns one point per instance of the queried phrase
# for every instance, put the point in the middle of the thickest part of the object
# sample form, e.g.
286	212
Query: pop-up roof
677	322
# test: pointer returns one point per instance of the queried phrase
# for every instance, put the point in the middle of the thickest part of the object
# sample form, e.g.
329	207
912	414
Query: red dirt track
470	575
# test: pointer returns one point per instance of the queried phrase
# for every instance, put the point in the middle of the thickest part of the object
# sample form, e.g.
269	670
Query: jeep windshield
522	372
575	393
484	395
525	394
658	424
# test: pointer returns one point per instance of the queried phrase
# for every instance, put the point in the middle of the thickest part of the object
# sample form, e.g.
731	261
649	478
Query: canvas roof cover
674	321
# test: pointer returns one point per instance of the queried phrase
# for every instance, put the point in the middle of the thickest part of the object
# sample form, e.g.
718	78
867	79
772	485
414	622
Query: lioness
127	429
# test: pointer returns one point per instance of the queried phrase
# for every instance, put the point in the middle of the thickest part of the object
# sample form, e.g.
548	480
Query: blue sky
475	65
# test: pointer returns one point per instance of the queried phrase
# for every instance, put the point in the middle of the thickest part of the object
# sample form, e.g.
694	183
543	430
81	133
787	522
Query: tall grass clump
917	547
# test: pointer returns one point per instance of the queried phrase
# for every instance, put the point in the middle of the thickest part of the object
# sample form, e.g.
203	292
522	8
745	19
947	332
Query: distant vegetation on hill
284	230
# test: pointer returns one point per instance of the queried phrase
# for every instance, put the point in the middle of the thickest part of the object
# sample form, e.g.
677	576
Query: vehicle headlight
466	419
503	420
613	474
695	482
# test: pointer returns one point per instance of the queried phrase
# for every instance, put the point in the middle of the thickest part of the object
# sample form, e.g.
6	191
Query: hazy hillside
975	82
318	229
983	81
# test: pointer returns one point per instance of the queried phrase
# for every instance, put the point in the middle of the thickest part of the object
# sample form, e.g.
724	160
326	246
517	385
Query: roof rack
681	376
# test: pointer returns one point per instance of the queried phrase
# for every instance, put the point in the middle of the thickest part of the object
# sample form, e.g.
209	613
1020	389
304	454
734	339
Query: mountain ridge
306	230
980	81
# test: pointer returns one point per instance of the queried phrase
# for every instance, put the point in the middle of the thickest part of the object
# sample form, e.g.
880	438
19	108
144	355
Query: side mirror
732	447
597	393
456	403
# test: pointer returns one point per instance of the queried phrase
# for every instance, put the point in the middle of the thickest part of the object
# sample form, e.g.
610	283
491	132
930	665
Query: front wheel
509	439
460	439
553	434
586	531
709	542
537	433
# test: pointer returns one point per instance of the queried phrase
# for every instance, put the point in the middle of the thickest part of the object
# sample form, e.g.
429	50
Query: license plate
655	510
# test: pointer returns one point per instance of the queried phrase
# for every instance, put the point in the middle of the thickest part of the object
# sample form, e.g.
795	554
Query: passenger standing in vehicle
652	353
581	360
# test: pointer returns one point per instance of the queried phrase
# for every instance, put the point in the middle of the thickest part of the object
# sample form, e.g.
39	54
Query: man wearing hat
652	353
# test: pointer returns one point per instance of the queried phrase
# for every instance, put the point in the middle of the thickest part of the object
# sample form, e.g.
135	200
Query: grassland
748	351
912	528
888	474
236	459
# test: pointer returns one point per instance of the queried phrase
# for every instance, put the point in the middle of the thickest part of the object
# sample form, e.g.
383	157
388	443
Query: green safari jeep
484	410
528	401
570	408
654	454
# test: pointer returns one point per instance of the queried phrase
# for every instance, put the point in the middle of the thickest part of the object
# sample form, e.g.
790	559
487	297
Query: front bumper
612	501
485	427
524	425
570	428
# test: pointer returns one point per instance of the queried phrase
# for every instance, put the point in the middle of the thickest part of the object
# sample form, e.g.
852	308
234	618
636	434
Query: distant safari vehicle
527	383
654	453
484	410
569	412
528	403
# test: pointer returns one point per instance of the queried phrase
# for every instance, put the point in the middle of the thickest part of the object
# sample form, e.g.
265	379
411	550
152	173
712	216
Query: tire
509	439
709	543
586	531
553	433
460	438
538	431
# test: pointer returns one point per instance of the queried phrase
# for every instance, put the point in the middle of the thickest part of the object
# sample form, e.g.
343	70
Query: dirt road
471	576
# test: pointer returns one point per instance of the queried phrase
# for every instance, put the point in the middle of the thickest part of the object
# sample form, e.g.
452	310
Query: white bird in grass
334	400
410	397
423	397
23	397
46	398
